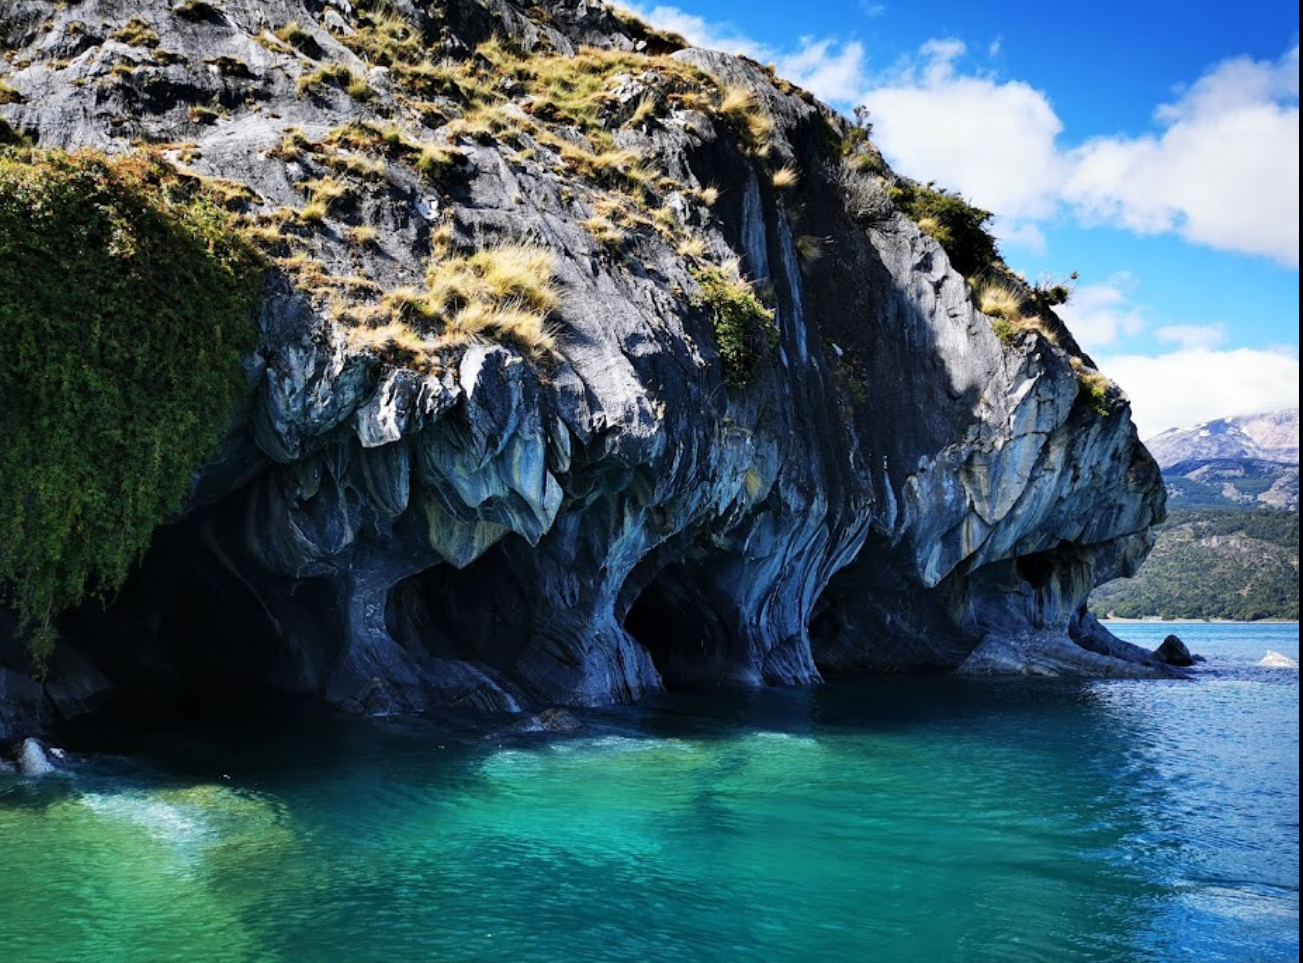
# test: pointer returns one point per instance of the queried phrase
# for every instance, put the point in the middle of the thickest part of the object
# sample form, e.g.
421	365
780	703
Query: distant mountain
1232	483
1249	461
1229	547
1267	436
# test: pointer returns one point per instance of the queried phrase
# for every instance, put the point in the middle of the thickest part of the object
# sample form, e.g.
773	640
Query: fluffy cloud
1192	335
700	32
992	141
1188	386
1099	314
832	74
832	70
1224	172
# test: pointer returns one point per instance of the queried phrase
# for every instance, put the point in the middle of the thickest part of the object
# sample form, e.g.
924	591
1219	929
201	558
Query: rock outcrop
1174	652
895	487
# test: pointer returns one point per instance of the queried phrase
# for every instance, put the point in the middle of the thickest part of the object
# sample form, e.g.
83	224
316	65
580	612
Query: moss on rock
126	300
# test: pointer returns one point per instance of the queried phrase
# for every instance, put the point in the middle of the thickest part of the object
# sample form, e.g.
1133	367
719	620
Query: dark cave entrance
674	620
188	640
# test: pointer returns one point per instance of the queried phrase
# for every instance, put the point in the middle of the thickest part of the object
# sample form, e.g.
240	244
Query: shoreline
1154	620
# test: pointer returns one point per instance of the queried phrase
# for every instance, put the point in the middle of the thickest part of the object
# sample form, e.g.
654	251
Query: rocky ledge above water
642	497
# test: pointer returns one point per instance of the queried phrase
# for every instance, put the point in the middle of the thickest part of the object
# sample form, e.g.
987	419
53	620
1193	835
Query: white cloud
700	32
1192	335
832	75
1190	386
1224	172
1027	237
832	70
992	141
1099	314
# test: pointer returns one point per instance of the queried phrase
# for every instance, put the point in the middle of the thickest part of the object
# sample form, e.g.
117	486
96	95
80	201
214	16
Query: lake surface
919	820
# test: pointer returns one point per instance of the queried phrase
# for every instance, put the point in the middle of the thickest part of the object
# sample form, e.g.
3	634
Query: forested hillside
1214	563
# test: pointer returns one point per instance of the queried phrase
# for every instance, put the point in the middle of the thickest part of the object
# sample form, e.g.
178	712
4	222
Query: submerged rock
890	486
1174	652
551	719
1275	660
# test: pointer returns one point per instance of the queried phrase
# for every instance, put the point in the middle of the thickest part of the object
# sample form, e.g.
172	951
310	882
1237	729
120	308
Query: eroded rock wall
501	534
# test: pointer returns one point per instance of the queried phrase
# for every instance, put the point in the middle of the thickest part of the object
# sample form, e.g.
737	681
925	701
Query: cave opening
674	620
189	640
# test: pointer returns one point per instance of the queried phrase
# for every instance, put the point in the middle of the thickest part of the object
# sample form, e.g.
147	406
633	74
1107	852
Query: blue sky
1152	148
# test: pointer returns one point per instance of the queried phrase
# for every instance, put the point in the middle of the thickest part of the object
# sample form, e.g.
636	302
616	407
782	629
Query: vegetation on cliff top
126	301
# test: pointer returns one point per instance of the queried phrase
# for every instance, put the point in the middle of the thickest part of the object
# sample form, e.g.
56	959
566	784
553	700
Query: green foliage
126	300
1092	388
957	226
744	327
1008	332
8	95
1214	563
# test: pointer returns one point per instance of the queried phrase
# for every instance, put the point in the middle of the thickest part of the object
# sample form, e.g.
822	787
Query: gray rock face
500	535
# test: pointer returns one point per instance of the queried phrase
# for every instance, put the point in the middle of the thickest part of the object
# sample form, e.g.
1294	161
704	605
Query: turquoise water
919	820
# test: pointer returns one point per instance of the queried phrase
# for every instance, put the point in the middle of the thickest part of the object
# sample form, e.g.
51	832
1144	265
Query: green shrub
744	328
126	301
957	226
1092	388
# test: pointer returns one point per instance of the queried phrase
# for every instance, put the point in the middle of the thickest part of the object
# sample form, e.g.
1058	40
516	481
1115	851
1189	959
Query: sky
1153	148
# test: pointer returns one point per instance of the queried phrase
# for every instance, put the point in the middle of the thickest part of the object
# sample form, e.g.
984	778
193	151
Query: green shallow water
902	820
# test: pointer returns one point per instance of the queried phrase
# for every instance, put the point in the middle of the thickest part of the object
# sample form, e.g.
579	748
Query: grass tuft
786	177
998	301
136	33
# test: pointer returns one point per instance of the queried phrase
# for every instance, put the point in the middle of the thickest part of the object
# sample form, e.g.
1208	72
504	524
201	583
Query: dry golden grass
136	33
498	322
394	343
739	107
786	177
518	272
314	212
363	235
692	246
999	302
604	230
809	248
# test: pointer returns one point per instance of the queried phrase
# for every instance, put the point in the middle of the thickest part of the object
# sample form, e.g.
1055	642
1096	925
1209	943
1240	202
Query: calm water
904	820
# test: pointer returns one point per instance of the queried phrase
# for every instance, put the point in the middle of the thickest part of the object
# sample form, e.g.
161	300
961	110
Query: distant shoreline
1156	619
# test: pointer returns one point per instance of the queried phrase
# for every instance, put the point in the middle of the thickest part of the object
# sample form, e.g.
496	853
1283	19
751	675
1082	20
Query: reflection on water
901	820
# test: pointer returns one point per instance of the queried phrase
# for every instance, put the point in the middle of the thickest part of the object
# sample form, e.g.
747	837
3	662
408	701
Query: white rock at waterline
1274	660
31	759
